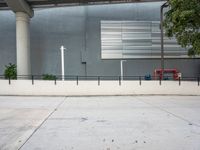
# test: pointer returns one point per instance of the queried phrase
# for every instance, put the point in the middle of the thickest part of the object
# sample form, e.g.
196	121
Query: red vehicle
159	73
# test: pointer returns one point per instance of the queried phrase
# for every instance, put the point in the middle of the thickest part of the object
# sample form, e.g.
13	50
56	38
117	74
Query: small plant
10	71
48	77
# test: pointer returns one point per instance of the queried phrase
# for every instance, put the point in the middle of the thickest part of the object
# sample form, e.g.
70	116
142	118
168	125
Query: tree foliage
182	20
48	77
10	71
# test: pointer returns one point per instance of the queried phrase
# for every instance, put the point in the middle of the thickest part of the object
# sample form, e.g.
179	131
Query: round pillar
23	44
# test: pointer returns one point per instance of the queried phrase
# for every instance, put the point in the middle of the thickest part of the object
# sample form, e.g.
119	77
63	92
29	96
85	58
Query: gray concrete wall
7	39
78	29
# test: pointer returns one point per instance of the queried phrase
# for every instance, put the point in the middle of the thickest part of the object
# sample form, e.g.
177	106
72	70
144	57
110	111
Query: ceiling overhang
57	3
20	6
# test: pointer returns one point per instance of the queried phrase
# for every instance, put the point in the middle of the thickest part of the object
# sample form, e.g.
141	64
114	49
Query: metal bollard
119	80
160	81
98	81
9	81
140	81
77	80
55	81
32	77
179	81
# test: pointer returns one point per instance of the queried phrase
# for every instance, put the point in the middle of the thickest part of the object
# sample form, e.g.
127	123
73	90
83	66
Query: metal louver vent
136	39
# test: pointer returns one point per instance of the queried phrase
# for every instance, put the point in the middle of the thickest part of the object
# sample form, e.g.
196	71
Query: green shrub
48	77
10	71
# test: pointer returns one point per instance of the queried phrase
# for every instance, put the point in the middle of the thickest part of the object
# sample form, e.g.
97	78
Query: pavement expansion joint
55	109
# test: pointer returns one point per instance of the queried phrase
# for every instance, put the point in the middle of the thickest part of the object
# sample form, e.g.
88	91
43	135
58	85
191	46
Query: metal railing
119	79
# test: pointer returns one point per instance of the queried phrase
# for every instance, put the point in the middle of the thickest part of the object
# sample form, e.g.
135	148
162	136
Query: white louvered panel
136	39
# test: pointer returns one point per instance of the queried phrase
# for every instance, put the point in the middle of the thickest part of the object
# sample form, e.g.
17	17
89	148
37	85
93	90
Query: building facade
79	30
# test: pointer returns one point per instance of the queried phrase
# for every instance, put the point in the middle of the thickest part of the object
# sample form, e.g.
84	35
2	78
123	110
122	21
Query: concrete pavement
100	123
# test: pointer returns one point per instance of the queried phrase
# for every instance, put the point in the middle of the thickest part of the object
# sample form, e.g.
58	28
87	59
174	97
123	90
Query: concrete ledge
91	88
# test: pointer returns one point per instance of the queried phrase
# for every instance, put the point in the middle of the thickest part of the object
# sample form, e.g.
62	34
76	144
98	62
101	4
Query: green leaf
10	71
182	21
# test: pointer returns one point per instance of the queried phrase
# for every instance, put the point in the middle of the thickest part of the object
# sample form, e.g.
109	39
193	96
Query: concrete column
23	44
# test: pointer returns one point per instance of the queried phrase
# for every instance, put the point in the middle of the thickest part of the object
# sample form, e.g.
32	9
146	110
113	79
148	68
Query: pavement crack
52	112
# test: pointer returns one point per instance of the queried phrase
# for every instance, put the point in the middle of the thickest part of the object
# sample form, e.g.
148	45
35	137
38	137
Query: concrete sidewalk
100	123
